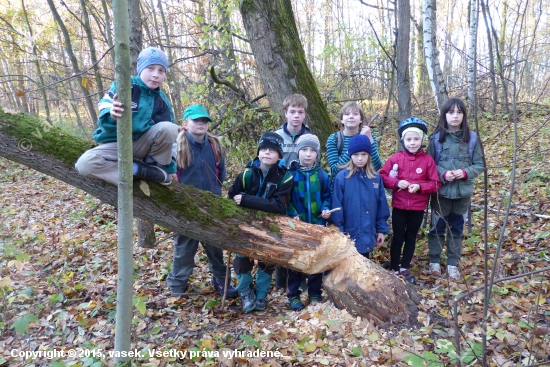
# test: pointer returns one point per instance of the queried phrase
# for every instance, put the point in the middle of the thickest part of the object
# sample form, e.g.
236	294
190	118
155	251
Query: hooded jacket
416	168
364	210
453	146
269	194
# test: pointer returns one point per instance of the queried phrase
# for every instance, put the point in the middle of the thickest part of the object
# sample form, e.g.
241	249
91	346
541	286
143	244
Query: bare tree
431	53
74	60
472	57
402	60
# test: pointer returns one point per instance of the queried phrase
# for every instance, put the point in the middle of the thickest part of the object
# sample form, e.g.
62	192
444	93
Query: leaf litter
58	291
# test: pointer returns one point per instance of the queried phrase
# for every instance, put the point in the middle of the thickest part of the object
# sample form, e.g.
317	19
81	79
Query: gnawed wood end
368	290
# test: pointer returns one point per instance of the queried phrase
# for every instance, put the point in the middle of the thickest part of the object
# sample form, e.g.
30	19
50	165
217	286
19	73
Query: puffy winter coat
415	168
364	210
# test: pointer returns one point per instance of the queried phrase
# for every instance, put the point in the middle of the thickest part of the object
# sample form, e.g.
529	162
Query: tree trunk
402	61
357	284
37	63
431	54
91	45
281	60
136	36
107	30
74	60
492	75
146	233
472	58
125	243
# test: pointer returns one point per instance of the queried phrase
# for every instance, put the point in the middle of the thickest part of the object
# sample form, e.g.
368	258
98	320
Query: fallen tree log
359	285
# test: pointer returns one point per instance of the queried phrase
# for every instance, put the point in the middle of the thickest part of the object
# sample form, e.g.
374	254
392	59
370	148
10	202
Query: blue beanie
151	56
359	143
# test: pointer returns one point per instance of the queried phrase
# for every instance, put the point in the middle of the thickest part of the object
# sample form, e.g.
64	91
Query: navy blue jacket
201	172
364	211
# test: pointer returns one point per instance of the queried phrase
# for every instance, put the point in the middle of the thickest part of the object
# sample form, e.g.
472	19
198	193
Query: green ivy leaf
356	351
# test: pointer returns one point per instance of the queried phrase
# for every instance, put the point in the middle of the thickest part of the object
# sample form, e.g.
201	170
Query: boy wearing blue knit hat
153	128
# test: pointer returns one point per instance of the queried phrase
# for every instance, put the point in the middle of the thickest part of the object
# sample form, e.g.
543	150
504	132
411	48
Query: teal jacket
148	107
453	146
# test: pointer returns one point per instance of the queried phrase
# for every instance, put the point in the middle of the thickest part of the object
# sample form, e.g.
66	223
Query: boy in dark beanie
264	185
309	202
153	128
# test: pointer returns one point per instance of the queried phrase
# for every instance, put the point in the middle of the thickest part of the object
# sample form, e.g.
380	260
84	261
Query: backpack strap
321	175
215	159
340	142
438	147
247	177
472	145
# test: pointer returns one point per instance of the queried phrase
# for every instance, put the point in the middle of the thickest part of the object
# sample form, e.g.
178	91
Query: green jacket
454	147
149	106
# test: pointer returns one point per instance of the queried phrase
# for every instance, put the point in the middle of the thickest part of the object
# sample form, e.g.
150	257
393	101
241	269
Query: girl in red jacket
417	178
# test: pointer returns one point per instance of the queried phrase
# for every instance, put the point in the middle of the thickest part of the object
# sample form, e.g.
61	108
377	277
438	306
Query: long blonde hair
353	169
184	150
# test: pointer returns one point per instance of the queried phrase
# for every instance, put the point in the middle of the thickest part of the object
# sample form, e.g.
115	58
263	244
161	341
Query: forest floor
58	286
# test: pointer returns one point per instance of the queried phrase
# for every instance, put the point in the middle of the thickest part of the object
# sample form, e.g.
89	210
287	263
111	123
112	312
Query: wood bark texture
281	60
359	285
431	54
402	62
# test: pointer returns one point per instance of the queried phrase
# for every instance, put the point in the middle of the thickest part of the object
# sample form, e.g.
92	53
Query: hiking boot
152	173
453	272
315	299
295	303
231	292
248	299
435	268
260	304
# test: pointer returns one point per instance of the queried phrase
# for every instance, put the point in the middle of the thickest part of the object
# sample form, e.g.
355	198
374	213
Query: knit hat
196	111
359	143
151	56
272	141
413	129
309	140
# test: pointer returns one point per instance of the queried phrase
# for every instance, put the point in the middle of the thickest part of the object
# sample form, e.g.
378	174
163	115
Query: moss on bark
44	137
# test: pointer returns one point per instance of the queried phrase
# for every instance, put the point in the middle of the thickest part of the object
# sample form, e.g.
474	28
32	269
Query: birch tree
431	53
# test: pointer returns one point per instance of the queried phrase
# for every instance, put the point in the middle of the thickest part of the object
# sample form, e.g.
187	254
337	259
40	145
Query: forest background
57	59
